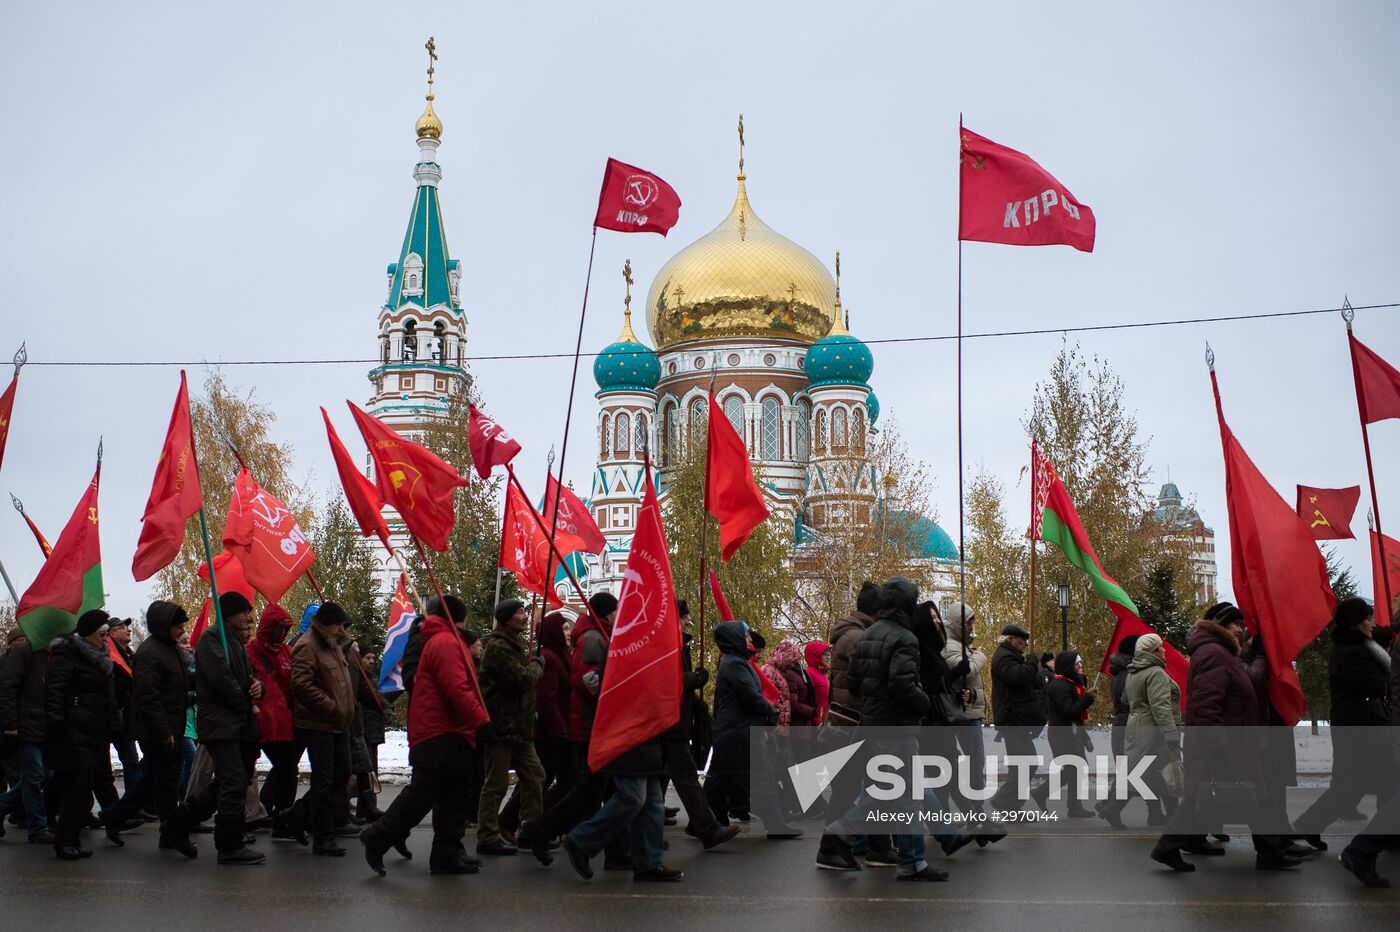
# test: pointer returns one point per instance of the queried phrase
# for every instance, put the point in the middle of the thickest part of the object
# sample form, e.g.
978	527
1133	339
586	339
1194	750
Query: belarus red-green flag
70	581
1055	520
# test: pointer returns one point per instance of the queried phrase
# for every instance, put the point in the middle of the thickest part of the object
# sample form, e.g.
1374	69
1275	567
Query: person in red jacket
272	665
446	719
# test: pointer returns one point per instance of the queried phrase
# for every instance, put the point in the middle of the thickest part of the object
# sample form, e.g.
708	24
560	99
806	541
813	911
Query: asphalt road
1040	881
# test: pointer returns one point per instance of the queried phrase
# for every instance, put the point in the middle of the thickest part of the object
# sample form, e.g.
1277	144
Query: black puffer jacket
225	709
1066	694
884	668
1016	695
80	707
1359	678
161	685
691	680
1118	669
739	702
22	672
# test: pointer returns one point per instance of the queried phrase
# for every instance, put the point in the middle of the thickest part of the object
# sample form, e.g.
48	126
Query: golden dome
741	279
428	125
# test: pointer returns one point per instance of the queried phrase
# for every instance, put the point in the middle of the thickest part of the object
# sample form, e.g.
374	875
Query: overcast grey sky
191	182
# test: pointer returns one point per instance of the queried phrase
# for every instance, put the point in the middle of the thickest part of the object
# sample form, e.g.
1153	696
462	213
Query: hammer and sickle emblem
92	515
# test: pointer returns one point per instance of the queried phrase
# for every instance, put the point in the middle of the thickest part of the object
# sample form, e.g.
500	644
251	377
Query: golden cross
741	143
431	46
838	276
627	277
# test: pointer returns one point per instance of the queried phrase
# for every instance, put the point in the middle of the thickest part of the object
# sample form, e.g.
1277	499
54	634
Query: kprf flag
175	494
7	410
490	446
229	572
1327	512
1280	576
635	201
1377	383
401	615
641	692
263	534
575	528
1385	574
70	581
731	494
1054	519
1007	198
412	480
361	495
525	547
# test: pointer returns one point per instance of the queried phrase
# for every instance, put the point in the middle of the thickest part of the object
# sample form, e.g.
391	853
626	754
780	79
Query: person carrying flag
161	687
446	720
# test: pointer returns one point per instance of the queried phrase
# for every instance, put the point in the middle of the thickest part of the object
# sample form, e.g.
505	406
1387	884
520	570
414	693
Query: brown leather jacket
323	693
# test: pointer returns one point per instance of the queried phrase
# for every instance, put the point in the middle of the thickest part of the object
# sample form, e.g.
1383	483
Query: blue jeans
969	736
636	806
131	767
28	795
909	849
187	749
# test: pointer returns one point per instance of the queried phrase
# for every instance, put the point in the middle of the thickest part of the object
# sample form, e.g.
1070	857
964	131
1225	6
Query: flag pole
407	578
1348	315
213	584
539	521
447	613
549	558
962	563
1032	533
21	357
14	596
705	515
568	418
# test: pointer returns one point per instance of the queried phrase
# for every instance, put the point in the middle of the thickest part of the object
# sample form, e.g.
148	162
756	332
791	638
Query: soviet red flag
490	445
45	547
641	692
175	494
1328	512
1385	574
1279	574
731	494
412	480
360	493
263	534
524	547
1377	383
7	410
228	573
635	201
1007	198
573	522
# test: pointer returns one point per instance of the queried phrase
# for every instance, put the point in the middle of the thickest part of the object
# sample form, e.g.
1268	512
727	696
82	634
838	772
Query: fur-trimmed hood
1206	631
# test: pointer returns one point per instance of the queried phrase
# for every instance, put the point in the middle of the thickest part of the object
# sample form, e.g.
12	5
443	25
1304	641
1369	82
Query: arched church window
838	428
643	428
821	431
624	433
698	420
858	430
669	435
439	343
606	433
410	340
770	429
803	426
734	410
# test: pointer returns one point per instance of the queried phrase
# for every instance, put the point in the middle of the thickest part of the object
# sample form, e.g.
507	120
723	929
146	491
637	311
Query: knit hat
682	609
1128	644
92	621
1224	613
1014	630
232	603
330	614
603	604
868	599
455	605
506	609
1147	644
15	634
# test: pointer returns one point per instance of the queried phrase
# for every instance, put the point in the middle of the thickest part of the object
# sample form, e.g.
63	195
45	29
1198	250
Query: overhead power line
499	357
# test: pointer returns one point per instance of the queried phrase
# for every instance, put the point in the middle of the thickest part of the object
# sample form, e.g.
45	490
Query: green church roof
427	239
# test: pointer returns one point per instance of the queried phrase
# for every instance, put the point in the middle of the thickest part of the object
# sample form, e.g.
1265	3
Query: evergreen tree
1312	660
347	571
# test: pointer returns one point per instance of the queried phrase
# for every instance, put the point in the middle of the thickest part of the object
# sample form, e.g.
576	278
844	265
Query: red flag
573	522
175	494
1380	568
1131	624
7	408
1279	574
360	493
641	691
635	201
1008	198
1377	383
525	548
263	534
70	581
231	579
412	480
39	537
490	446
770	691
721	603
1327	512
731	494
117	659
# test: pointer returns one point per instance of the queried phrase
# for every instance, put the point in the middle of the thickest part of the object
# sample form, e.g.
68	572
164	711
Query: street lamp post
1064	616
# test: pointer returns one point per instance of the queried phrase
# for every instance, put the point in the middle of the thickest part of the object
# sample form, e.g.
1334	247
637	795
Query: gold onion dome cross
428	125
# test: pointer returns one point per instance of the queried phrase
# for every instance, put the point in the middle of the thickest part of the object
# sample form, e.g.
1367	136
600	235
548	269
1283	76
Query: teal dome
839	359
626	365
872	405
930	540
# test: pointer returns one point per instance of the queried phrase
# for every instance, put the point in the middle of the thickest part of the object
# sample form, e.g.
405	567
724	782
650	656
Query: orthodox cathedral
743	308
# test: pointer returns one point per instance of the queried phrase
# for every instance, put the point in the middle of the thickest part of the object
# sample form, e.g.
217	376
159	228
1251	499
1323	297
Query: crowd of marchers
499	727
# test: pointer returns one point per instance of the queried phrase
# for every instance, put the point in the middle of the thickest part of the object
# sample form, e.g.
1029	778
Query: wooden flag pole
1348	315
705	515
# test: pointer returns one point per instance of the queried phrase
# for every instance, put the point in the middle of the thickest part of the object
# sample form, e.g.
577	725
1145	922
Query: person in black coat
22	672
162	690
225	691
1359	676
82	719
1018	709
739	706
1069	703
